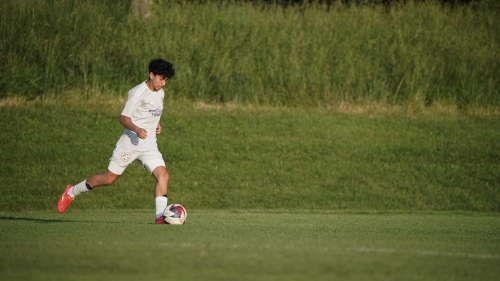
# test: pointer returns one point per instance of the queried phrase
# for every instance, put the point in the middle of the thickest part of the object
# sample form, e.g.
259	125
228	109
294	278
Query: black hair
162	67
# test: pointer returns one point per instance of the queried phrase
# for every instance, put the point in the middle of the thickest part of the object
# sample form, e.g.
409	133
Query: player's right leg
70	192
107	178
65	200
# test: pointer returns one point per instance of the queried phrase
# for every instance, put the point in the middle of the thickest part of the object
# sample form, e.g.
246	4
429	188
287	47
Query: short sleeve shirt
144	107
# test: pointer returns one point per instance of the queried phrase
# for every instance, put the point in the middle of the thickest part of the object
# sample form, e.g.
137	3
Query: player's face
157	81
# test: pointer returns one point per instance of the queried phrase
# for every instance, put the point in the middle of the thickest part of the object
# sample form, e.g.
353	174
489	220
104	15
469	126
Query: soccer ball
175	214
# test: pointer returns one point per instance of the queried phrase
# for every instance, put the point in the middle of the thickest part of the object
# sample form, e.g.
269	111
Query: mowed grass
260	158
258	245
271	194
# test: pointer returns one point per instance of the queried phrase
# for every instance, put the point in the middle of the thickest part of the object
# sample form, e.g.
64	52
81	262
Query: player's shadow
2	218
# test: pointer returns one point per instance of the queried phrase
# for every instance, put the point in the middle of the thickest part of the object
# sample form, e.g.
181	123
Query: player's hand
158	129
141	133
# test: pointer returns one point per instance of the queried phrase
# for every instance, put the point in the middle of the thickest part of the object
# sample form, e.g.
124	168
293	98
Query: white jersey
144	107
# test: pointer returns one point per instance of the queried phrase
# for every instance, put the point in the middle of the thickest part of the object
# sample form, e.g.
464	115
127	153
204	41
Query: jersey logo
155	112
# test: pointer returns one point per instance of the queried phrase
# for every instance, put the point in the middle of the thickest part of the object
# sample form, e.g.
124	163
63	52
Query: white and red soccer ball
175	214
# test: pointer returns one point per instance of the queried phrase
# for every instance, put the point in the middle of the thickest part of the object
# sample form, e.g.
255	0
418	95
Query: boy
141	119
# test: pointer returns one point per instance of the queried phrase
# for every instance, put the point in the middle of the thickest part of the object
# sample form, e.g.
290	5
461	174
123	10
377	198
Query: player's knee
163	176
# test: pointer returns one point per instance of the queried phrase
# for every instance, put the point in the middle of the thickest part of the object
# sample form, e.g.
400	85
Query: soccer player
141	119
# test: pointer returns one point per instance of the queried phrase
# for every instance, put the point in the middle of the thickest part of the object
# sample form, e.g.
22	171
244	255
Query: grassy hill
236	157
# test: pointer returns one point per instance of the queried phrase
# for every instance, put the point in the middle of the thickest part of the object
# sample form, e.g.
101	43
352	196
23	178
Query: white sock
161	204
78	189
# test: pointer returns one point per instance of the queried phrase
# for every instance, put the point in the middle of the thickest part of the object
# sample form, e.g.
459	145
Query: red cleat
159	221
65	200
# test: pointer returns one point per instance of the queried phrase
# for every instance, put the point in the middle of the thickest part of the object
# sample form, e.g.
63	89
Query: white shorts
121	158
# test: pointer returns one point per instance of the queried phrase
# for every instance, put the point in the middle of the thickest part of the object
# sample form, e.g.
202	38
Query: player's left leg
161	187
154	163
162	177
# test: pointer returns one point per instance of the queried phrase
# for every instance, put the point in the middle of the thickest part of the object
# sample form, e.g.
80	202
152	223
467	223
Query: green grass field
271	193
258	245
349	142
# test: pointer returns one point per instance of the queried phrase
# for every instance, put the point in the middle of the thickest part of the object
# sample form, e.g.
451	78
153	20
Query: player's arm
158	128
127	123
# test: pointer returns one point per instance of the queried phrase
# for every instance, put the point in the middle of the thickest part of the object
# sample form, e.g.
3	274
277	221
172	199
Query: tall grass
258	53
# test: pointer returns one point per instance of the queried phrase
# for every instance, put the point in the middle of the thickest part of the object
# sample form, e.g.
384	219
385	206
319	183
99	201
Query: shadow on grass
2	218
